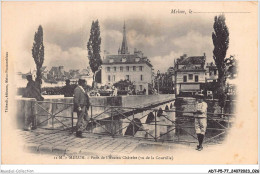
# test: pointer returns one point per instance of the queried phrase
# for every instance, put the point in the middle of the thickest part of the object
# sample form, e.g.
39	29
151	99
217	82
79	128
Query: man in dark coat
31	90
81	105
67	90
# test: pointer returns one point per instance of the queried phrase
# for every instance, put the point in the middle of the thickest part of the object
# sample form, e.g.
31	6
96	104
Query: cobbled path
53	142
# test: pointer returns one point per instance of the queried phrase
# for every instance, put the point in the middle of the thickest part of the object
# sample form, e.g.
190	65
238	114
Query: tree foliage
93	46
220	38
38	53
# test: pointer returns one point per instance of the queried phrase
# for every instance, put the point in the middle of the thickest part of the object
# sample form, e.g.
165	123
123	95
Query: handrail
140	108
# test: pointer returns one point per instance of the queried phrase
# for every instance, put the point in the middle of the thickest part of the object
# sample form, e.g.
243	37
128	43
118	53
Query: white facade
139	74
190	77
211	74
189	81
125	66
190	74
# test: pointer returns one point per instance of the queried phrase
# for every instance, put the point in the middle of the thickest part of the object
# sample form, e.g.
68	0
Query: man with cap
81	105
200	119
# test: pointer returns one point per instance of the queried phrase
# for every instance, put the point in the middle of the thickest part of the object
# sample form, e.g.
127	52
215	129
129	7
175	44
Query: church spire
124	48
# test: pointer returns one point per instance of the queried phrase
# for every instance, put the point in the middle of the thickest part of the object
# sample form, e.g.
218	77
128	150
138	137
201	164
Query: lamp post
158	81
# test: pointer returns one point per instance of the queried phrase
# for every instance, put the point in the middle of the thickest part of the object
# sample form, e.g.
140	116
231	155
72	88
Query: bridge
150	117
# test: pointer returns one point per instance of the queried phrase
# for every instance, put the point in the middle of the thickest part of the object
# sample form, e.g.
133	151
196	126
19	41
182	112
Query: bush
122	92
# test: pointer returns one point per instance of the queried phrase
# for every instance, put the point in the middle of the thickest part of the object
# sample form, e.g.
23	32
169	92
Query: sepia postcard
129	83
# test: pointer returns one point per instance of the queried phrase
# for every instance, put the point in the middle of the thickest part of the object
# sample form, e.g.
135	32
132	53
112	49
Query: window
121	69
141	87
108	69
114	78
140	68
196	78
127	68
210	73
190	76
184	78
215	72
108	78
127	77
134	68
114	69
141	77
124	59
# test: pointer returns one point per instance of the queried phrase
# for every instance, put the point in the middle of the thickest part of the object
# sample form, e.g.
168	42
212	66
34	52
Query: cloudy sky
161	36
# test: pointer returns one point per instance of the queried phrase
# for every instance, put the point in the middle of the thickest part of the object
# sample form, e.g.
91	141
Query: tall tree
220	38
38	54
94	49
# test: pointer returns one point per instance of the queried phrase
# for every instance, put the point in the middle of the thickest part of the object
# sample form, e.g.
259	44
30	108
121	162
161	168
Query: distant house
165	81
211	72
125	66
44	71
57	73
74	73
190	74
86	72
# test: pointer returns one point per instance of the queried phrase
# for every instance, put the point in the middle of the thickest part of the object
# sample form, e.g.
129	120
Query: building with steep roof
190	74
125	66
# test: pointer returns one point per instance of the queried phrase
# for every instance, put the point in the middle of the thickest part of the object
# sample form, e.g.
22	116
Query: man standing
200	119
67	90
81	105
31	91
114	91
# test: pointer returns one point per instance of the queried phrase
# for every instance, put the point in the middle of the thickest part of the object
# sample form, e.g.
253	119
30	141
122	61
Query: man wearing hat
200	119
81	105
31	90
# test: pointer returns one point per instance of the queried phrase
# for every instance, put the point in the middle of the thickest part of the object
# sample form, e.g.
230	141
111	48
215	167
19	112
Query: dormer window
111	60
137	59
123	59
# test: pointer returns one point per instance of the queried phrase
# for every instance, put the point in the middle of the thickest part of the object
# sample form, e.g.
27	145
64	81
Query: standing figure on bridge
31	90
114	91
81	106
67	90
200	119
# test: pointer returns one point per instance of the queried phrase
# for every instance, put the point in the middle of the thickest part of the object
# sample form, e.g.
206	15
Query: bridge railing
161	125
144	123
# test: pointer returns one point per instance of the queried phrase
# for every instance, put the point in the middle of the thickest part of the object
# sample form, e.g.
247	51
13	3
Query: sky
66	27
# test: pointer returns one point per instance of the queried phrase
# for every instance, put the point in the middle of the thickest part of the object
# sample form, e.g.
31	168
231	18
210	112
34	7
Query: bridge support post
155	129
112	123
133	123
72	119
52	116
34	114
91	117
